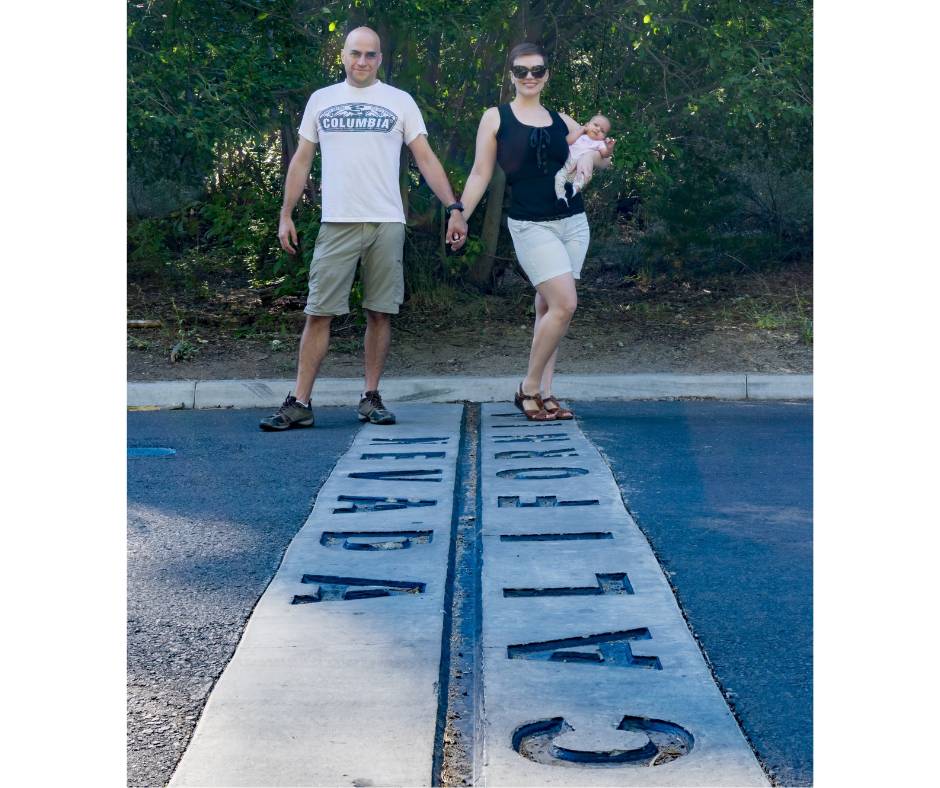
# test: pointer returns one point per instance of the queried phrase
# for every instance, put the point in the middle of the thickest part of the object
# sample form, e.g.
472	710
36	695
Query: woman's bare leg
541	307
561	301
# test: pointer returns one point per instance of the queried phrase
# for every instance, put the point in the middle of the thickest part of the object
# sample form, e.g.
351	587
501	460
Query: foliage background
710	100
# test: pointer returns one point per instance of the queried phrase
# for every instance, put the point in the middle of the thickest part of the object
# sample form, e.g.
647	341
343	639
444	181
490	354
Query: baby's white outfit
569	173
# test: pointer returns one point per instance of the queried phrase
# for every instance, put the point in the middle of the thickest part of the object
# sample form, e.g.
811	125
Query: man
360	124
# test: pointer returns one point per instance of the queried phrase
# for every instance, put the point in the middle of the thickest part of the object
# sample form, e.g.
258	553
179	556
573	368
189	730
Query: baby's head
597	128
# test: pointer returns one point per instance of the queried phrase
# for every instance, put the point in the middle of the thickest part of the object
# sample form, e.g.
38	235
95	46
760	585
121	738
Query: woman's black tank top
530	156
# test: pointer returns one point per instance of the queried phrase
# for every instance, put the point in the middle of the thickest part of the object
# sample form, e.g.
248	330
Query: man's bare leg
377	342
314	343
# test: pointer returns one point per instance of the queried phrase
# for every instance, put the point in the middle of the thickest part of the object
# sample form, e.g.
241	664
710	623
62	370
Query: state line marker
590	674
334	681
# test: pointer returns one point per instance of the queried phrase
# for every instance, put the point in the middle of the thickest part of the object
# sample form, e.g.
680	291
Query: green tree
711	103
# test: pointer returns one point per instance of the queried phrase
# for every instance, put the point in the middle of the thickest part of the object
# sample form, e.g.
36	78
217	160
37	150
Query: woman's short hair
527	48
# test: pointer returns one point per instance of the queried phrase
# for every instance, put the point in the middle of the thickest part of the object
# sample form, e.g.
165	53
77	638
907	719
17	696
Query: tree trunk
288	144
456	149
432	72
534	21
481	272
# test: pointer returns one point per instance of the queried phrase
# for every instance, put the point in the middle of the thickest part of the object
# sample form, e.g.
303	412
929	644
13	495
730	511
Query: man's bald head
362	56
363	37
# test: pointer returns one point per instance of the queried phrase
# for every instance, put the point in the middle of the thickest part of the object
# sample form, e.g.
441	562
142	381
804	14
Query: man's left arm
436	178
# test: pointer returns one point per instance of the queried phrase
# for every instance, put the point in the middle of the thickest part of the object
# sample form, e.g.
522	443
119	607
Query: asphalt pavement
207	528
722	491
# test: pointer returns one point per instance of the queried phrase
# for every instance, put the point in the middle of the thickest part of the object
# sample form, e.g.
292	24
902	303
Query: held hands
287	233
456	234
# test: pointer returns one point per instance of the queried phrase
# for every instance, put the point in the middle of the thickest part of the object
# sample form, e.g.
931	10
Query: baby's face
597	128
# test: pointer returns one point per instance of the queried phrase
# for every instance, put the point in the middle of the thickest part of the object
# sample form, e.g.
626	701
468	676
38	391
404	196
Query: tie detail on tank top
530	156
540	139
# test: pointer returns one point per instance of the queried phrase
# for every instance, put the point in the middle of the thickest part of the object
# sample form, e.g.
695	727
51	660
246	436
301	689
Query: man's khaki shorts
339	247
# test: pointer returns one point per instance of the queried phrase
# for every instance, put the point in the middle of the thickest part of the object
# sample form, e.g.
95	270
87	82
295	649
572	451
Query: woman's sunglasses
521	72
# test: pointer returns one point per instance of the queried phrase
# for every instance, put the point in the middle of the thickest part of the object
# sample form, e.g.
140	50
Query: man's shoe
371	409
290	414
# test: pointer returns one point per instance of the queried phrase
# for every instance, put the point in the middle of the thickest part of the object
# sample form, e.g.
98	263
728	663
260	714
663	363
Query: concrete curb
162	394
346	391
779	387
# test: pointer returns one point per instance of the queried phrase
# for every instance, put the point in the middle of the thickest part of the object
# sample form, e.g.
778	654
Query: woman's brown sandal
561	413
532	414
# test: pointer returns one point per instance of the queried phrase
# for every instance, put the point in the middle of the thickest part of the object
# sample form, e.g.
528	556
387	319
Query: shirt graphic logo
357	117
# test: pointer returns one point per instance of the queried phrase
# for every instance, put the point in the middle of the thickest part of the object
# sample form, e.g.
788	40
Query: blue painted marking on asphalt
149	451
723	492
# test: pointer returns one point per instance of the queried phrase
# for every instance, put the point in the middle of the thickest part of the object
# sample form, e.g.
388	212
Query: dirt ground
741	323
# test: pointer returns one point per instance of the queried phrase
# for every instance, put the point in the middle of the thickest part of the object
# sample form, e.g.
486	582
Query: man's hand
297	173
456	230
286	233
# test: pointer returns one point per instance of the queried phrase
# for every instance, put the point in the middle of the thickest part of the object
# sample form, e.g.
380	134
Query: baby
580	167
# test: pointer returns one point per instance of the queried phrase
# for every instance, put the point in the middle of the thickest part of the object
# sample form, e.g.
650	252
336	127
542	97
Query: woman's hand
456	231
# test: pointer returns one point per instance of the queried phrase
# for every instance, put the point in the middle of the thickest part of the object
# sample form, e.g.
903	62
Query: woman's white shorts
551	248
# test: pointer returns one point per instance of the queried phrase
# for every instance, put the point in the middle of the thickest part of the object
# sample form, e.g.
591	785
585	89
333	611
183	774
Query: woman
549	237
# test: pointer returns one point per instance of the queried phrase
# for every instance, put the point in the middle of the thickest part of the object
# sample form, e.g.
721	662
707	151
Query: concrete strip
346	391
162	394
559	710
779	386
324	690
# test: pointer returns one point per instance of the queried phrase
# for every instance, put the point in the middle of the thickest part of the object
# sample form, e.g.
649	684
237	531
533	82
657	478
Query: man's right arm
297	173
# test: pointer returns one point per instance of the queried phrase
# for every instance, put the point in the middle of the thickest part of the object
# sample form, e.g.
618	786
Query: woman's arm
484	161
573	126
573	135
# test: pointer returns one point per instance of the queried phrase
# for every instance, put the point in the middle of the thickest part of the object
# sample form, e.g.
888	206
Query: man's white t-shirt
360	132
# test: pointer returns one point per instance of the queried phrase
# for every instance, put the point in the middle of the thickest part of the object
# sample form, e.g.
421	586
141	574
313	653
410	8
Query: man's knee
378	318
316	326
314	322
